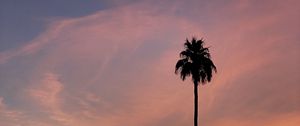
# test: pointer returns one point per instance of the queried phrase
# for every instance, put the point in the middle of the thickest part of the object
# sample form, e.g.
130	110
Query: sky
111	63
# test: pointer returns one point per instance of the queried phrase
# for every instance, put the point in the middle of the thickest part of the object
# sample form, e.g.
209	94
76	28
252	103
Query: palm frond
208	67
188	44
185	54
200	42
185	70
180	64
203	77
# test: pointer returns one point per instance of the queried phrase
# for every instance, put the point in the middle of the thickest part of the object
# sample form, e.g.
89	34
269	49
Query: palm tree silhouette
195	60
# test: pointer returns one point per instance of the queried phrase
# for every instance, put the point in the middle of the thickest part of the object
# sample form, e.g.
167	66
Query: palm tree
195	60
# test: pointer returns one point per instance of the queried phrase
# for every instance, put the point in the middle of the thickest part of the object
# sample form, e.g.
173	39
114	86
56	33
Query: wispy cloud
9	116
47	94
36	44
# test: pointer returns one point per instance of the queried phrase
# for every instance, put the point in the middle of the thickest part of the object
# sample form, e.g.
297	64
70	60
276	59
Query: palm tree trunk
196	104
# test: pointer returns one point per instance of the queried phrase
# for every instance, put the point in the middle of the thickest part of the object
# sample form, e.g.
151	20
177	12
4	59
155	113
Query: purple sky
112	63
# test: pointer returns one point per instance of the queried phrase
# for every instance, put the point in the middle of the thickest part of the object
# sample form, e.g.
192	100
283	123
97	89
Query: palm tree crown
195	60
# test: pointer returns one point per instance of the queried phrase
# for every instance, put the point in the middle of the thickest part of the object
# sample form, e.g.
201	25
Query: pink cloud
48	93
95	42
9	116
48	96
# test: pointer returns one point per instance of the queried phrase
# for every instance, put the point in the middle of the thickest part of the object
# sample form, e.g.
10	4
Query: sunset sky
111	62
